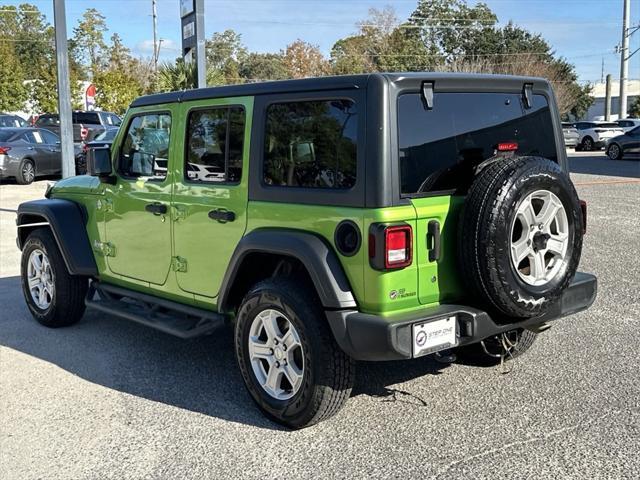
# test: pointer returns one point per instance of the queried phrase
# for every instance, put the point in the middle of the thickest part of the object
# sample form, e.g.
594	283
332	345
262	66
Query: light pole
624	59
64	89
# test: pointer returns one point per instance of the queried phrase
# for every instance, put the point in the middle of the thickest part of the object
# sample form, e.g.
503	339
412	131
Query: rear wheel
54	297
26	173
614	152
492	350
289	360
587	144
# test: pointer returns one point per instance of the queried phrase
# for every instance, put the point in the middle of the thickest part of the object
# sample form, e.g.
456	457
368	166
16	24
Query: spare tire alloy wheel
539	238
520	237
276	355
40	279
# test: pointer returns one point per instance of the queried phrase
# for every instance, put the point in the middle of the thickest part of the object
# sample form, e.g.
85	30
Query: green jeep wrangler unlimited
369	217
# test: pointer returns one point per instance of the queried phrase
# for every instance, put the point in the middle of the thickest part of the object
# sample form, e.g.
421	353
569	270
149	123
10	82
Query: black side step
169	317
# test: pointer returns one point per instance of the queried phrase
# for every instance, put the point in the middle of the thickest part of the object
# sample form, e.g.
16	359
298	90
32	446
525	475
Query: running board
164	315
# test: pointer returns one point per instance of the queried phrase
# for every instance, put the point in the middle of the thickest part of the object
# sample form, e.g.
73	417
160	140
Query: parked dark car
27	153
104	139
571	135
625	146
86	125
8	120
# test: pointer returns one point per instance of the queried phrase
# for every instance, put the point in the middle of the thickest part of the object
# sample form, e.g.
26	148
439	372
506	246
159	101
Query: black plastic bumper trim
370	337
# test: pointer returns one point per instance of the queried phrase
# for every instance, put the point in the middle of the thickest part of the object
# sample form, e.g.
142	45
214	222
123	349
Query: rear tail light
85	148
4	150
390	246
583	208
83	133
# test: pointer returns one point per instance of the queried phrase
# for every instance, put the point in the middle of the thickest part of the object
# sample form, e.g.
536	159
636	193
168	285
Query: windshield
439	148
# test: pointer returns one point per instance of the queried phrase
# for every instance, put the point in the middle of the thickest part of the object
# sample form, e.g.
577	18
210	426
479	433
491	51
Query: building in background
596	111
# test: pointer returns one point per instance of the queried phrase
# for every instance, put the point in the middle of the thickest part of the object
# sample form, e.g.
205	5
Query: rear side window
86	118
145	149
215	139
311	144
439	148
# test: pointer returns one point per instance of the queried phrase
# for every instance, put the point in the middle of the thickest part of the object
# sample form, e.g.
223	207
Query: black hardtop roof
342	82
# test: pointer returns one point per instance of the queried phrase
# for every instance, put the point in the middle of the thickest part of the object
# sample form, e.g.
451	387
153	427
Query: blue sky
583	31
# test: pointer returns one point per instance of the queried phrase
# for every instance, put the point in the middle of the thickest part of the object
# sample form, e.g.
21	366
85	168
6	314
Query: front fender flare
315	254
67	222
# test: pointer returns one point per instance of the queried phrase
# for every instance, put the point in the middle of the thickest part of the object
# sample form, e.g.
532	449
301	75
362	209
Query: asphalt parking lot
111	399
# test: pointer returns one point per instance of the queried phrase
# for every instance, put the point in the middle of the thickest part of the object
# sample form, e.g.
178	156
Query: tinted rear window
440	148
607	125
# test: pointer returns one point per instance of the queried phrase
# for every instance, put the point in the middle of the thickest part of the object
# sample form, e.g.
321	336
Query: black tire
477	355
614	152
486	235
67	302
328	373
587	144
26	173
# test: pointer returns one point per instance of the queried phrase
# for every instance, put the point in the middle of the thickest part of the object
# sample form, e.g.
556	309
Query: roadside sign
186	8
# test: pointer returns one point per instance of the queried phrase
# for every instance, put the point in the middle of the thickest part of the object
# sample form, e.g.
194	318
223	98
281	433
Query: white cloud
167	48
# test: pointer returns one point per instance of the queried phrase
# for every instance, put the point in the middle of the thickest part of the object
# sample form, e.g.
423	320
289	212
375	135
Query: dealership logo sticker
421	338
393	294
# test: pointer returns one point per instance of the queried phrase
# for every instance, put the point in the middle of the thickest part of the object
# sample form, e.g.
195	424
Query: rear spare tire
520	236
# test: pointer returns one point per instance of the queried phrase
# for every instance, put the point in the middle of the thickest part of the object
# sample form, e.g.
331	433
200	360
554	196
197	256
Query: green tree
634	109
13	93
183	76
302	60
262	66
225	52
115	90
88	43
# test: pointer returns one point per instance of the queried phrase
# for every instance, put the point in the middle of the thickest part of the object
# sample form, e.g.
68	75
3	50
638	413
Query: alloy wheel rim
276	354
539	238
40	279
614	151
27	172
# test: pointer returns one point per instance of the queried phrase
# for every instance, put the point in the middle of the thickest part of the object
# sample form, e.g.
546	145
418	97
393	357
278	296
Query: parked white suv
628	124
594	135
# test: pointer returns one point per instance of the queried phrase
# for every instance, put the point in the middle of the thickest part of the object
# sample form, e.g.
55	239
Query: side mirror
99	163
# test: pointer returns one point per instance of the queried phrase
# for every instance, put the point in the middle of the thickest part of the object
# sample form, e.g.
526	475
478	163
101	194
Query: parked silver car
26	153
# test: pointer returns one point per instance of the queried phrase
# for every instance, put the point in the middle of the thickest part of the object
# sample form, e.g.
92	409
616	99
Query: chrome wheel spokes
539	237
276	355
40	279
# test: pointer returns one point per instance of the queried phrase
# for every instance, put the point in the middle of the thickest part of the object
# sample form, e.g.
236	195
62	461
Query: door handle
222	216
433	240
156	208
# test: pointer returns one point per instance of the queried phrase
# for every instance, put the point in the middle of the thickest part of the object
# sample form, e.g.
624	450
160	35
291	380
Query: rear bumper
371	337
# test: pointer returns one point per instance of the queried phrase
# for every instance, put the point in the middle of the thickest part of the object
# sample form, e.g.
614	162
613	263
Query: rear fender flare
313	252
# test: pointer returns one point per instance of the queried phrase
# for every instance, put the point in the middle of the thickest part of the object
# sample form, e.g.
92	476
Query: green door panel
438	280
139	241
205	244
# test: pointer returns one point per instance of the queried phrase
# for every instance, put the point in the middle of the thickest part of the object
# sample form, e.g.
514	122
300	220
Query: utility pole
64	89
156	48
624	59
607	102
602	73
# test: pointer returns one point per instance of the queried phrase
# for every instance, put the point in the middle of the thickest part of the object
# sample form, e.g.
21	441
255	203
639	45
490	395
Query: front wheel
289	360
54	297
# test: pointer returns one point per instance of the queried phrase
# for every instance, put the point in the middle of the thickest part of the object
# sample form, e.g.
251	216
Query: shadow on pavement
198	375
603	166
